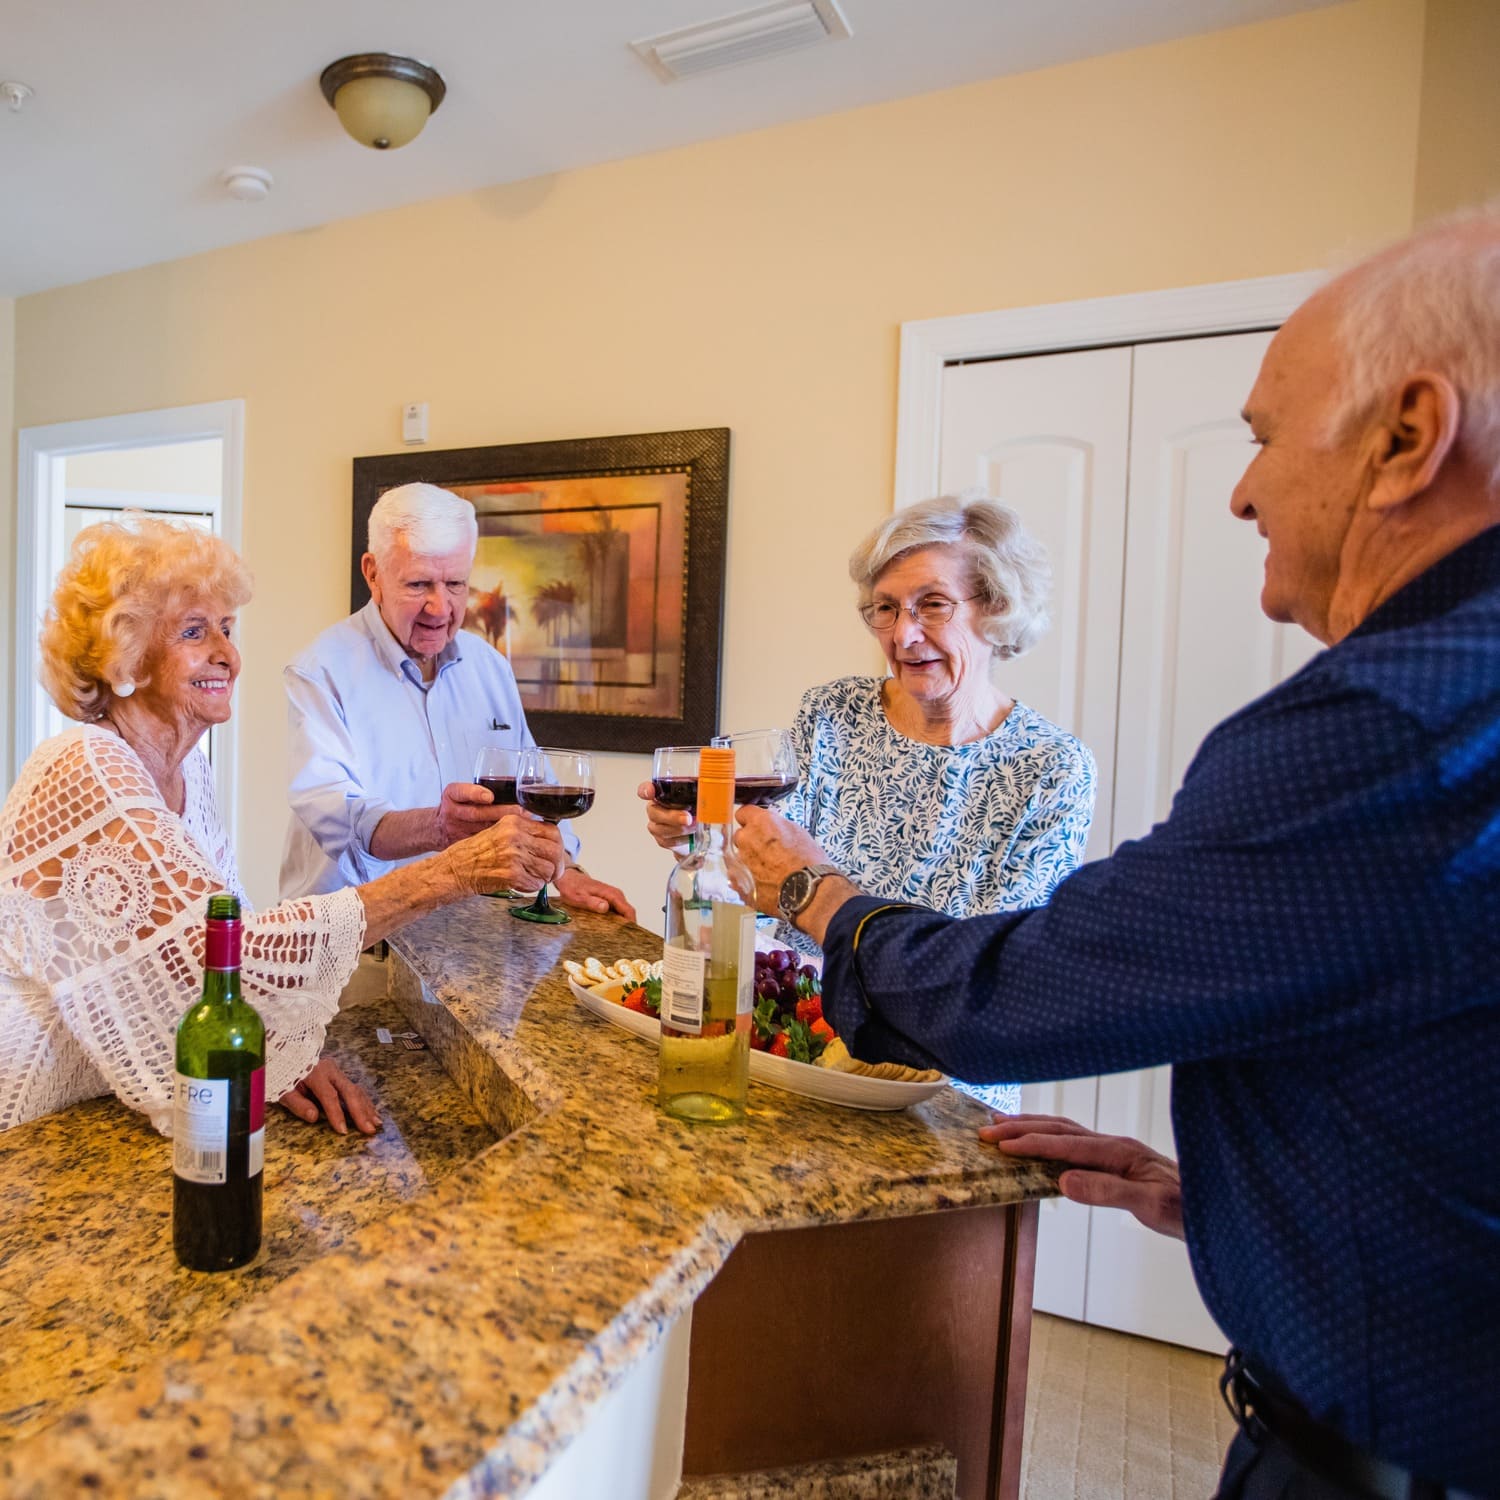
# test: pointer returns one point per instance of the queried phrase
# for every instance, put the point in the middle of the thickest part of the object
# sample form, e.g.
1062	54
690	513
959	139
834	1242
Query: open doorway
182	464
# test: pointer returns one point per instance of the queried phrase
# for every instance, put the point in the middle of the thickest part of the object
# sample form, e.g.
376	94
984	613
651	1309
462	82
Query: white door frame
930	344
40	486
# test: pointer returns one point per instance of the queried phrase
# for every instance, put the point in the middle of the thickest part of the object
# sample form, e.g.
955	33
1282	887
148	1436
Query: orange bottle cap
715	785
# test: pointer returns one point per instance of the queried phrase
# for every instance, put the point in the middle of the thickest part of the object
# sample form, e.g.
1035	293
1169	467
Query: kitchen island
530	1269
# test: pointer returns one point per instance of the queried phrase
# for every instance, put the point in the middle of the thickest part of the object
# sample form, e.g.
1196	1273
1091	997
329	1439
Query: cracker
837	1056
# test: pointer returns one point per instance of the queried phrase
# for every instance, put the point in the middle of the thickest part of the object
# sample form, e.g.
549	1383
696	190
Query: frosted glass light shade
382	113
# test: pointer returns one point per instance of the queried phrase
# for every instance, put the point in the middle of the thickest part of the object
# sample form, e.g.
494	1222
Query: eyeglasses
935	609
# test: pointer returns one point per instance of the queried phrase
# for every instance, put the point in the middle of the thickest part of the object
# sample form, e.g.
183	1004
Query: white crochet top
103	892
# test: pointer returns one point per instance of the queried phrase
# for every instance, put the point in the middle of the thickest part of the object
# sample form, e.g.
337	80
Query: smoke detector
248	184
15	94
762	31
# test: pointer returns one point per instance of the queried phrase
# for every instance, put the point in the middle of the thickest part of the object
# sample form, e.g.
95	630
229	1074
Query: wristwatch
798	888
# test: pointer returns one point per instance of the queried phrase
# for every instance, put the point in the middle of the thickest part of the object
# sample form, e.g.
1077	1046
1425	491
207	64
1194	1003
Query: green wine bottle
219	1114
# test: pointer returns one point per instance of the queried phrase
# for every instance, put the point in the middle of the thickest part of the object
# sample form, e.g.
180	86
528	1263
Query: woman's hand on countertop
1105	1171
326	1091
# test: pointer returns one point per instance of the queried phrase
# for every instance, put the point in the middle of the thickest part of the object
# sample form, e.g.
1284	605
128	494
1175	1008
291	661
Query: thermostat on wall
414	422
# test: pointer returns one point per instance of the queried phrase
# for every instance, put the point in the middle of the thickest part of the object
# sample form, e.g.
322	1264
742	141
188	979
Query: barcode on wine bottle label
682	972
200	1129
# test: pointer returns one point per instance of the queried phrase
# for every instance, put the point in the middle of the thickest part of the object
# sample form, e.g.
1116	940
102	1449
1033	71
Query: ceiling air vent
748	34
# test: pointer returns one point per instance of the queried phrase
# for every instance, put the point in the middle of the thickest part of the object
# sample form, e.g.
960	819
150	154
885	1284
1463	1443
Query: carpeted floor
1111	1417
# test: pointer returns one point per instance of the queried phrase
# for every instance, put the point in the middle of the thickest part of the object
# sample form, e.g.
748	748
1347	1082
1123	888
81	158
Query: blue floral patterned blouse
989	826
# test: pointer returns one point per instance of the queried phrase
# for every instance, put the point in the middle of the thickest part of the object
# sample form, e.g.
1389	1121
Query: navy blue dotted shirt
1313	938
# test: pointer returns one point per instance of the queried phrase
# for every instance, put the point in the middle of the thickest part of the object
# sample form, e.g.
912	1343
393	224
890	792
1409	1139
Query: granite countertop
437	1309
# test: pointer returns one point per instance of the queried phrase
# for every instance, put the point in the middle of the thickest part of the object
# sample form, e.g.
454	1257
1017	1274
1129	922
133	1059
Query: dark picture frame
633	663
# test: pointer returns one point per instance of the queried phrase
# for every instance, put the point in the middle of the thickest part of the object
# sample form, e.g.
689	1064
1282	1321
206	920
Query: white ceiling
139	107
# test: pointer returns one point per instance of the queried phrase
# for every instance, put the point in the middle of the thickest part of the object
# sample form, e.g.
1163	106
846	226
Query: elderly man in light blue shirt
388	707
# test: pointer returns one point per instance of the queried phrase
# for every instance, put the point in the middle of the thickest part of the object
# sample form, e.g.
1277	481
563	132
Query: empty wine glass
765	765
552	784
495	768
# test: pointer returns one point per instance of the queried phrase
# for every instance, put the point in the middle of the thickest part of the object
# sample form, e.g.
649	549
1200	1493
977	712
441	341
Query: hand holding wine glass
552	785
495	768
671	796
513	852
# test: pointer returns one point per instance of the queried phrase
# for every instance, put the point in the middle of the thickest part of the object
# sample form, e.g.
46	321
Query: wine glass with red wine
552	784
495	768
765	765
674	781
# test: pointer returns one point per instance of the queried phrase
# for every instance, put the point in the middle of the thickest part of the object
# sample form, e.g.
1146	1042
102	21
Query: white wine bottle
218	1122
708	962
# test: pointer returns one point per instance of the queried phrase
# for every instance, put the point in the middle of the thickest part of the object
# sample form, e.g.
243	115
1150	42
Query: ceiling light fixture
383	101
15	94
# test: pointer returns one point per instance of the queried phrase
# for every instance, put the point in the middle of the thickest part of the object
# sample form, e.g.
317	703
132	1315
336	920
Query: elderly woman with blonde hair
931	784
111	843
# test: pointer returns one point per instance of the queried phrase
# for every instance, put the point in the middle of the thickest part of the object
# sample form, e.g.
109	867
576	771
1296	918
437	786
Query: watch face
795	891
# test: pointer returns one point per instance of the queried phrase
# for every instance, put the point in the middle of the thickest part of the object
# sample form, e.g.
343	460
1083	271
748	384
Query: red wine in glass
765	765
501	788
677	792
495	768
554	803
553	785
762	791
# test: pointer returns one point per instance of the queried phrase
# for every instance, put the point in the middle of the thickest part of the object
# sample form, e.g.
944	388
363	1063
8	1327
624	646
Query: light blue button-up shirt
368	737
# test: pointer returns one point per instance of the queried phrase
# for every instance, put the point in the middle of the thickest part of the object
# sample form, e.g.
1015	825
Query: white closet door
1049	435
1194	648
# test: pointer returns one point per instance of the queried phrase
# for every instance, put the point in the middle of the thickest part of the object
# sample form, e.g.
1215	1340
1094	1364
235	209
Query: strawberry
635	999
778	1046
810	1009
821	1028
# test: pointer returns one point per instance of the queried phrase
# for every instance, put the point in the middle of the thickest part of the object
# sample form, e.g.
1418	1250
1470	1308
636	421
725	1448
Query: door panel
1194	648
1194	644
1157	635
1049	436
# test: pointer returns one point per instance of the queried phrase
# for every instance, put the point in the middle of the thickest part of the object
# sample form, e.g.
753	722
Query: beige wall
757	282
1458	151
7	521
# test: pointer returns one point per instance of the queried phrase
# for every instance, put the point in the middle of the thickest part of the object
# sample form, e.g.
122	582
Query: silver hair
433	521
1431	302
1010	567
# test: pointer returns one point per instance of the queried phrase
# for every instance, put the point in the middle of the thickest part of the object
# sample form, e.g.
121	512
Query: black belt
1261	1413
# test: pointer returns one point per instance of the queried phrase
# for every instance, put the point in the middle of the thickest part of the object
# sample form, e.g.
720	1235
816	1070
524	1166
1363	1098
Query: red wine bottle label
682	977
257	1122
200	1129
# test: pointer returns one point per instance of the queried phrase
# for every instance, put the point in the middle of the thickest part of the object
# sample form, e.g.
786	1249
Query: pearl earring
124	689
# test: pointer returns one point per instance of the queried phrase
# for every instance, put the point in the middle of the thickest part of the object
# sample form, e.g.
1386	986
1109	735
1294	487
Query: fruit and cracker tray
788	1019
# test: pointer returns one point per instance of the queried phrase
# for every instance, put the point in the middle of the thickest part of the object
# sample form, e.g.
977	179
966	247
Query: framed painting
599	575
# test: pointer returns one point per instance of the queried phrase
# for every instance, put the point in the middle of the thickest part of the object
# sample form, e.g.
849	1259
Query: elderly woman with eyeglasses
931	784
110	845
